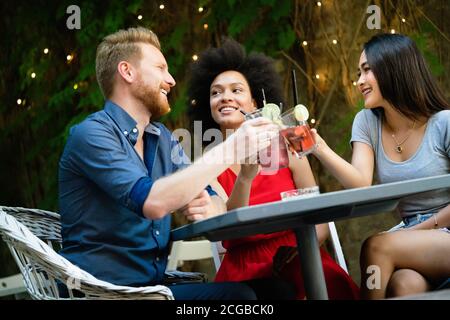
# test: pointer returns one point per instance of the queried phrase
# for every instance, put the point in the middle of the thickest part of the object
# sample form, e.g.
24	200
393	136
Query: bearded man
122	174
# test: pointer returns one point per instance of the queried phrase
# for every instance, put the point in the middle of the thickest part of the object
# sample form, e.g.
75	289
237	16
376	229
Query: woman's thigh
426	251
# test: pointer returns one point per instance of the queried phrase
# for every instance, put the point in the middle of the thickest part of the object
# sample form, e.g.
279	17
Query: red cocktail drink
300	139
275	156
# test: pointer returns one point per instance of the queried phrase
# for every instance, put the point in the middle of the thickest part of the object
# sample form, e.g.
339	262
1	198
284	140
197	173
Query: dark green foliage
33	134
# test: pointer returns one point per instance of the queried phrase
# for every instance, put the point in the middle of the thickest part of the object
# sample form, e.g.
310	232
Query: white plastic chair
339	254
12	285
192	250
218	253
41	266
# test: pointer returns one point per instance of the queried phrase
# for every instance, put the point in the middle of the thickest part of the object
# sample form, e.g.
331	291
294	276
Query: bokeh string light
305	43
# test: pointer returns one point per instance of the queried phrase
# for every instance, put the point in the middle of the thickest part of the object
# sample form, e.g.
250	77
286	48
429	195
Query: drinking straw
294	87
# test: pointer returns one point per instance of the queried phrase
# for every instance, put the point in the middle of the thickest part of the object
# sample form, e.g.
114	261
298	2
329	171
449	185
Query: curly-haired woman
224	81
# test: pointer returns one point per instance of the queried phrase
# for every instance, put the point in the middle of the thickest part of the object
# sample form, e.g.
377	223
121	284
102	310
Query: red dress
251	257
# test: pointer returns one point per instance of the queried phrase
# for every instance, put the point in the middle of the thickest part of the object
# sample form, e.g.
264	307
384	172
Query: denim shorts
408	222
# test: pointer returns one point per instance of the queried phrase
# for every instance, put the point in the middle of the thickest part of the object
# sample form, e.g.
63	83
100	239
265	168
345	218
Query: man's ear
126	71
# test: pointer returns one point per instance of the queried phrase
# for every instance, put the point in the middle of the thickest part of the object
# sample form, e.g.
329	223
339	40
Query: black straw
294	87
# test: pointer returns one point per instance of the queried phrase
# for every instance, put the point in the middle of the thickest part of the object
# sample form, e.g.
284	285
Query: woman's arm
240	194
357	174
323	232
301	172
442	219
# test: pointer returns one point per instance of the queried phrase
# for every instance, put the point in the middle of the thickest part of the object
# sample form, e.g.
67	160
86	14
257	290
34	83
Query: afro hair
257	68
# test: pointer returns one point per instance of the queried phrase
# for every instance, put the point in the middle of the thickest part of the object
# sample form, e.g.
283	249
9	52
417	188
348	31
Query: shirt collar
126	123
153	129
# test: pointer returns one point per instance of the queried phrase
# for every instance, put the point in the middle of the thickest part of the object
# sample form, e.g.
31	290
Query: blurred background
48	83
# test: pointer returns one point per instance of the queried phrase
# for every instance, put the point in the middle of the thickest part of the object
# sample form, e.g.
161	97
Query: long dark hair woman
404	131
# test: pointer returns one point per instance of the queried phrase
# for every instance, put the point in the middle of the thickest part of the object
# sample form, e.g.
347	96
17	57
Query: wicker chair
42	267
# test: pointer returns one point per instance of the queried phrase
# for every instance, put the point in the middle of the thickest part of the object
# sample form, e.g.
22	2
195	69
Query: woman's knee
375	245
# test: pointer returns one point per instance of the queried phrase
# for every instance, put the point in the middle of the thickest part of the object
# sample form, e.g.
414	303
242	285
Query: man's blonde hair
119	46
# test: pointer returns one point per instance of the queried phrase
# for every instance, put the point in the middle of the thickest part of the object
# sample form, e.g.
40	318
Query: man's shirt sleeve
97	153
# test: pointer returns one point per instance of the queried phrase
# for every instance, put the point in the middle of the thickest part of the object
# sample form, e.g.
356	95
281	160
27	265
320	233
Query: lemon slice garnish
301	113
271	111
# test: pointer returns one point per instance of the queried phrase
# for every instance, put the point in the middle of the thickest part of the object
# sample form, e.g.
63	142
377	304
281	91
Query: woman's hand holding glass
319	141
248	172
274	158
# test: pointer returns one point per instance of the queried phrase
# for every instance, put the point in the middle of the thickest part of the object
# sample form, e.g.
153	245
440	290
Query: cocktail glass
275	156
298	135
300	193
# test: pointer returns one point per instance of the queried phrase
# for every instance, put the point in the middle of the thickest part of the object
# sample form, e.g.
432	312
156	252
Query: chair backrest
43	224
42	267
12	285
218	252
192	250
339	254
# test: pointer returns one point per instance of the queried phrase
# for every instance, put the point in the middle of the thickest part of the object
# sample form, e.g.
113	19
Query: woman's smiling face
368	85
229	93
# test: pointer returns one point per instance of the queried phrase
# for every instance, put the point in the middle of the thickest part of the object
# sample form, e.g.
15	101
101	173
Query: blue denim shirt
103	184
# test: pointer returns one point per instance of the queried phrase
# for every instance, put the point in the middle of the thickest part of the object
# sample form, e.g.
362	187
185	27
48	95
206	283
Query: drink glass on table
297	132
275	156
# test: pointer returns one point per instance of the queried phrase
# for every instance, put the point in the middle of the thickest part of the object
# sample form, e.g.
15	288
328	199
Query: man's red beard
151	99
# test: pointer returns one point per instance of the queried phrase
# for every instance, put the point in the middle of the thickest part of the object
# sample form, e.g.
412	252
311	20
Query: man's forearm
172	192
175	191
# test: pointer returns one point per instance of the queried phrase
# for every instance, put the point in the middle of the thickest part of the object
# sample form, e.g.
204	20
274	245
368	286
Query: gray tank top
431	158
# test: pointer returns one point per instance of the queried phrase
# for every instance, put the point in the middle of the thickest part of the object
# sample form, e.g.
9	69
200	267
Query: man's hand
253	135
199	208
